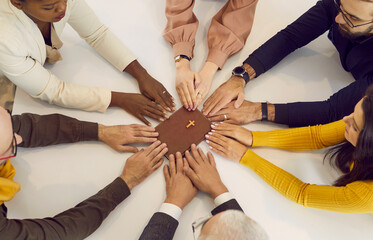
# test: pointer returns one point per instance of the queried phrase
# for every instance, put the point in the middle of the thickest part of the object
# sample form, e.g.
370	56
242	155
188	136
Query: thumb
126	148
240	99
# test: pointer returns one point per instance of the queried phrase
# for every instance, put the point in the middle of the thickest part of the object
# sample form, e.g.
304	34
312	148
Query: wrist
182	64
137	71
271	112
100	134
116	99
130	183
218	190
250	70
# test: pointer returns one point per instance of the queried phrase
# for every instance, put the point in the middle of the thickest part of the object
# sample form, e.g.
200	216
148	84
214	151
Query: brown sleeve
229	30
44	130
76	223
181	26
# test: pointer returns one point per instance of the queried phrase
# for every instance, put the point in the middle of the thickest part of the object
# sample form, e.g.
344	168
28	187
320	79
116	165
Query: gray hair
234	224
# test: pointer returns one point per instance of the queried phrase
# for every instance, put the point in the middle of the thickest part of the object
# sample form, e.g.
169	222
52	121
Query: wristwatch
179	57
241	72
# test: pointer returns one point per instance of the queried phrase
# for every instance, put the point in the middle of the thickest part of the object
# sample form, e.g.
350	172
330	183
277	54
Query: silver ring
225	117
164	92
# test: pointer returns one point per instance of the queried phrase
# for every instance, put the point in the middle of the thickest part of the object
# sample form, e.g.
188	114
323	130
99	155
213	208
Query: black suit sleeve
229	205
161	226
76	223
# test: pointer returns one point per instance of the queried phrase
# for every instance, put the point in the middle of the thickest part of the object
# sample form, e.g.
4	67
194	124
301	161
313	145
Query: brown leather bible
182	129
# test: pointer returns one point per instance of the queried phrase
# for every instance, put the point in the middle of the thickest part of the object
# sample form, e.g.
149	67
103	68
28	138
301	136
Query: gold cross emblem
191	123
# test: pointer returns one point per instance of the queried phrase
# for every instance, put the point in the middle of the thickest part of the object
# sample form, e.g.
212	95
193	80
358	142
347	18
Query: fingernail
213	125
168	109
207	141
161	119
210	147
207	136
210	133
213	130
158	141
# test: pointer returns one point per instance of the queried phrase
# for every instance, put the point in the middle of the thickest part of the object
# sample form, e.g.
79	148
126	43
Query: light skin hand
226	147
228	91
150	87
203	81
248	112
238	133
185	84
179	189
143	163
203	173
138	105
118	137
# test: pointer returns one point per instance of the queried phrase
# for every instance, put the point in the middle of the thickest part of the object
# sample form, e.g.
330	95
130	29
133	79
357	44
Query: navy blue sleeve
161	226
316	21
335	108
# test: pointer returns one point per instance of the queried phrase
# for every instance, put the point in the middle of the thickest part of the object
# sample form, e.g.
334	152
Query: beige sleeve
181	26
32	77
98	36
229	30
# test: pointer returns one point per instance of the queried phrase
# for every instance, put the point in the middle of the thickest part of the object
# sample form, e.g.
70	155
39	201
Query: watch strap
264	111
179	57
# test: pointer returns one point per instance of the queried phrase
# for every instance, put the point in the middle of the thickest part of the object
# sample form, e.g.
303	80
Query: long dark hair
361	156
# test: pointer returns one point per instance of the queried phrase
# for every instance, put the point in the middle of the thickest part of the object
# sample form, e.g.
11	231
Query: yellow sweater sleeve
356	197
304	138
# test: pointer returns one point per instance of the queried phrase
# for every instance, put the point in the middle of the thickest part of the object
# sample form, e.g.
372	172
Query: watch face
239	70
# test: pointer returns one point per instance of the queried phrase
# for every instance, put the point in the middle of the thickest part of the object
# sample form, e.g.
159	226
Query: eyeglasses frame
348	21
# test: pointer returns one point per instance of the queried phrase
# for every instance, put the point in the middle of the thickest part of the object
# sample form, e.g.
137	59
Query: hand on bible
118	137
138	106
248	112
203	172
143	163
228	91
226	147
185	84
238	133
179	189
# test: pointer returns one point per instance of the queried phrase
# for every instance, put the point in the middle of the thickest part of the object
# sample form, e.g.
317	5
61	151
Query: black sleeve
305	29
229	205
161	226
340	104
37	130
75	223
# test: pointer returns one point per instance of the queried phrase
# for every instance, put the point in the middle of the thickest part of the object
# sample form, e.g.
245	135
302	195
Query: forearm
43	130
335	108
75	223
181	26
305	29
352	198
137	71
302	139
229	30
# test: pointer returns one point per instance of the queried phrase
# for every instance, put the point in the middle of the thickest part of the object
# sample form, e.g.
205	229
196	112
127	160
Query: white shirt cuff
222	198
171	210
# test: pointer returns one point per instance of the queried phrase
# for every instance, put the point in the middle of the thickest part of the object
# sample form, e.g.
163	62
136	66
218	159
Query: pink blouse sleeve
229	30
181	26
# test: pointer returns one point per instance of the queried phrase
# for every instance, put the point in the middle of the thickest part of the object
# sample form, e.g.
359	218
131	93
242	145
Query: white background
56	178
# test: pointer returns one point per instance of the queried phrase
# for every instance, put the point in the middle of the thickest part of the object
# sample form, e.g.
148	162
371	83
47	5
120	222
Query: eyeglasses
198	225
348	21
14	142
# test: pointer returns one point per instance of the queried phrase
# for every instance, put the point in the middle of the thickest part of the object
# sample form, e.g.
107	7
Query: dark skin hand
150	87
138	105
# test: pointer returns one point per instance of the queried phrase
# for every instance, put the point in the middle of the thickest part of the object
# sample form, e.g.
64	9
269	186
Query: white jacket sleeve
84	21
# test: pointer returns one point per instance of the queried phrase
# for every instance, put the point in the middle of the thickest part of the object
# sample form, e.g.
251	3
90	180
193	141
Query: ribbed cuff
281	114
184	48
218	57
255	64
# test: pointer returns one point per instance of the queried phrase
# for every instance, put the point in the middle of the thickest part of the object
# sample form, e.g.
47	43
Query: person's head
45	11
355	18
7	138
231	224
358	150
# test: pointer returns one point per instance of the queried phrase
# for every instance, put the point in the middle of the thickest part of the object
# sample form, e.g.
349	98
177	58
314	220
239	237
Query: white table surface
56	178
